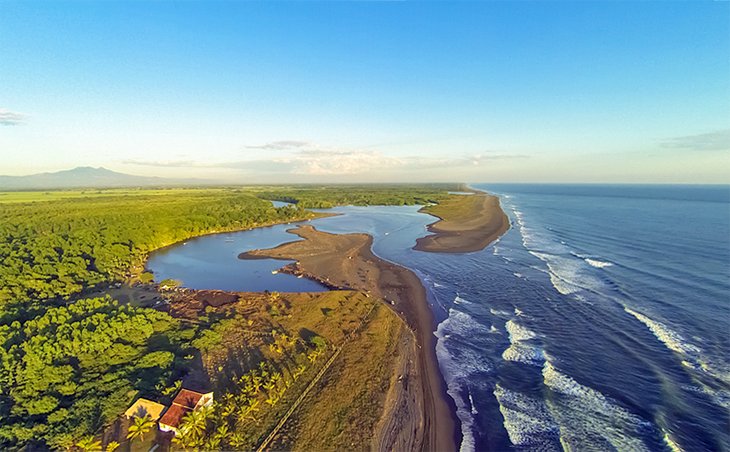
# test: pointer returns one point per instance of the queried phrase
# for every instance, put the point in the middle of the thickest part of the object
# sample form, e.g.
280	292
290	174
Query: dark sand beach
466	223
418	413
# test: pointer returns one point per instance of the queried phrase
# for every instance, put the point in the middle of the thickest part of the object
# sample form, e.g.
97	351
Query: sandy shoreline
466	223
419	415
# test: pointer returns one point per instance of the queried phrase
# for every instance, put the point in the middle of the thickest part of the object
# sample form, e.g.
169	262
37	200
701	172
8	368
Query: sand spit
466	224
418	412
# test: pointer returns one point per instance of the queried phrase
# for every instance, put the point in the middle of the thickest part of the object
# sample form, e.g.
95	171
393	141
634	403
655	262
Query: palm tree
213	443
247	411
195	423
237	441
299	370
272	399
182	439
228	408
222	431
89	444
221	434
112	446
140	427
256	383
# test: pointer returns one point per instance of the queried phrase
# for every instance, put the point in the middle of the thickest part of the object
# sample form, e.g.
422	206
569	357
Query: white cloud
11	118
718	140
307	159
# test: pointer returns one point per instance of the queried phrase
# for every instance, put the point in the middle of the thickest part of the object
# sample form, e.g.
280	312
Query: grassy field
343	409
54	195
294	335
458	208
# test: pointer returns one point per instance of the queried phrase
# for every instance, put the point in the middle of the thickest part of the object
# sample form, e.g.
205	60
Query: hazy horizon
369	92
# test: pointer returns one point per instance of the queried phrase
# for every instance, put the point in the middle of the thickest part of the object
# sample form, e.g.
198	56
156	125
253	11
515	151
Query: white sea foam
473	407
673	340
462	324
498	313
527	420
568	274
596	263
459	366
459	300
590	420
671	444
519	350
518	332
524	353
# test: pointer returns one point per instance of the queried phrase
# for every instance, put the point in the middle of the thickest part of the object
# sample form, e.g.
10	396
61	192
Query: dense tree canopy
73	368
324	197
57	248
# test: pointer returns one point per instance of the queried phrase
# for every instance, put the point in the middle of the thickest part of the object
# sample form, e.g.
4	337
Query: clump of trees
71	369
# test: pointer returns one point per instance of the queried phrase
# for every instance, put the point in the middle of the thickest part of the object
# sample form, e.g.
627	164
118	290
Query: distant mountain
86	177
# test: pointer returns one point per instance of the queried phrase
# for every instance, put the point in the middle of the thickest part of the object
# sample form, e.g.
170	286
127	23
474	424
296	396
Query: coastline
419	414
466	223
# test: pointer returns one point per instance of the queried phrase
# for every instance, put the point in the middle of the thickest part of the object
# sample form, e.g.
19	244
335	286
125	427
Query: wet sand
466	223
418	413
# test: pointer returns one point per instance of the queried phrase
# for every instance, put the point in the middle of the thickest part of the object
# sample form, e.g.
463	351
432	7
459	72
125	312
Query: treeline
325	197
57	248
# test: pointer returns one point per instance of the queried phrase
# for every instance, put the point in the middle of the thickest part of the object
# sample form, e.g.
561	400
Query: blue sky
369	91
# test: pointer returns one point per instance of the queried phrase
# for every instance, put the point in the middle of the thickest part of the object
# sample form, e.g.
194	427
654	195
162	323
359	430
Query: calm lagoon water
211	262
598	322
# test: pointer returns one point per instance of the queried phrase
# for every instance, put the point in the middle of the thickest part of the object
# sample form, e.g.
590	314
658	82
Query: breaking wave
527	420
588	419
460	365
596	263
673	340
521	349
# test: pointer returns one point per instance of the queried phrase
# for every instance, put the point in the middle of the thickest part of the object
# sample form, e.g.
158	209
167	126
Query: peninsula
417	413
466	223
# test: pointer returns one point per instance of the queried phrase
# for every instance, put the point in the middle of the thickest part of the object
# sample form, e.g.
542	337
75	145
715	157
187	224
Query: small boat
273	272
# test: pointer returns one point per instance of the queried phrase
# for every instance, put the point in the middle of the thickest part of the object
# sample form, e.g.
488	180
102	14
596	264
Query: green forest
325	197
69	364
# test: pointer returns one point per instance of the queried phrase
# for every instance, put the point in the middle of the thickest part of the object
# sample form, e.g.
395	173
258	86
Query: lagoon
211	262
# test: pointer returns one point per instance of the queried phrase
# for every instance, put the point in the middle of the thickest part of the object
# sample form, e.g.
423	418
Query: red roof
173	416
184	402
187	398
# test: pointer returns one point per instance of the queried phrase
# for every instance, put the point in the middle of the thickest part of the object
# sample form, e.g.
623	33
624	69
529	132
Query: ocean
599	321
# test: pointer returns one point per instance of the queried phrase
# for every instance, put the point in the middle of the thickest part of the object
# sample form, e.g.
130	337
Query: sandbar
466	223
